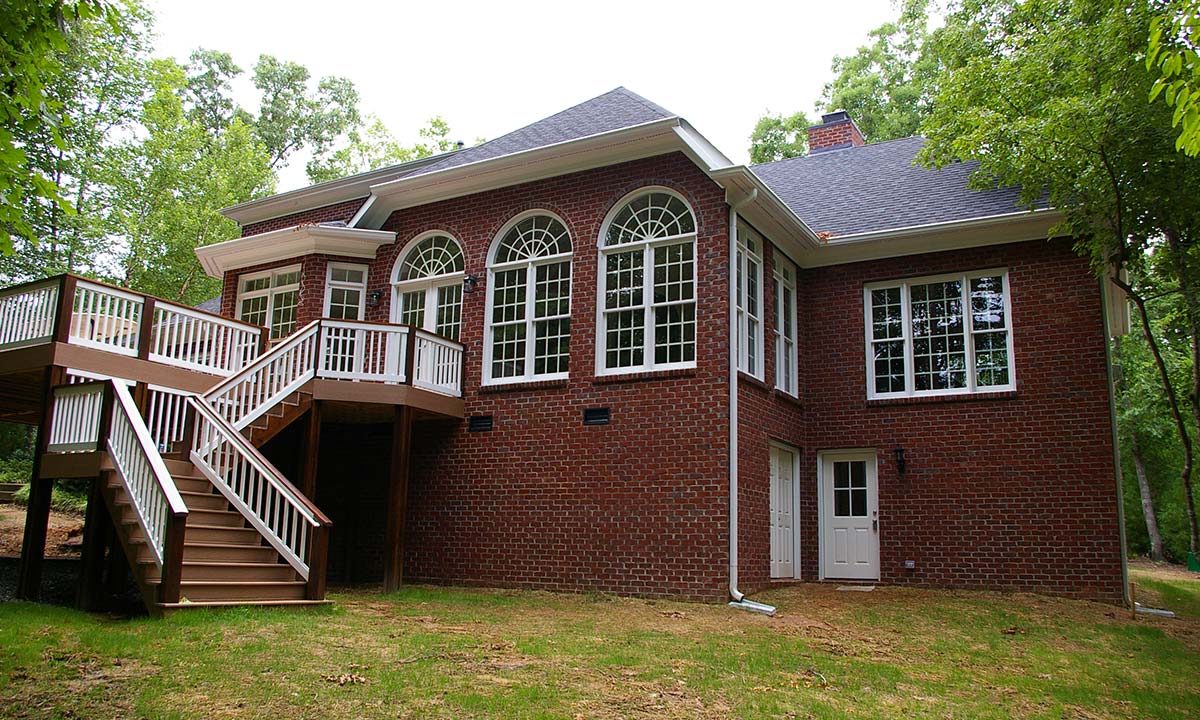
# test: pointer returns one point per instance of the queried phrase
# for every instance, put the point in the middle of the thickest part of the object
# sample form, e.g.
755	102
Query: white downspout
739	600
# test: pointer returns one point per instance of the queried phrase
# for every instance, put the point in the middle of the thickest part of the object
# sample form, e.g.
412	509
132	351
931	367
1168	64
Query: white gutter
739	599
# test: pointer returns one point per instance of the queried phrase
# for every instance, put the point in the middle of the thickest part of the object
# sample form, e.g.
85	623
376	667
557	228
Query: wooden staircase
278	418
225	562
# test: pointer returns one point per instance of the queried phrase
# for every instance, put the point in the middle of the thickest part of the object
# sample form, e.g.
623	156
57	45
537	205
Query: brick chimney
835	132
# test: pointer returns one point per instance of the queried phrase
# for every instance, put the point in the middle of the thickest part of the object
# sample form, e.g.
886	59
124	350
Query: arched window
529	301
647	291
427	285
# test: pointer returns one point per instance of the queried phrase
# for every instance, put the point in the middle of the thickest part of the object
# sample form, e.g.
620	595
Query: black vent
479	423
596	416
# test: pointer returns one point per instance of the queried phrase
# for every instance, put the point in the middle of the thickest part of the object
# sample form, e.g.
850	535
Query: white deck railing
79	424
198	341
106	318
362	351
271	505
27	314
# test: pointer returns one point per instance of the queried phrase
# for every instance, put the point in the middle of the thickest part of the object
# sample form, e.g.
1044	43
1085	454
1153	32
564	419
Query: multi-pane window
648	286
940	335
786	360
529	305
345	290
270	299
427	286
749	301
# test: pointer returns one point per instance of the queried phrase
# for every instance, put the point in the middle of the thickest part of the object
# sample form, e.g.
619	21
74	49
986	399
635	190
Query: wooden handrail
252	453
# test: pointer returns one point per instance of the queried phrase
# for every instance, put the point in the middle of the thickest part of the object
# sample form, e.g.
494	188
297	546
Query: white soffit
295	241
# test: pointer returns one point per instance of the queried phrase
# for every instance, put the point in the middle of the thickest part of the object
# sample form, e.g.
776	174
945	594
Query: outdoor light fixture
469	283
901	462
374	297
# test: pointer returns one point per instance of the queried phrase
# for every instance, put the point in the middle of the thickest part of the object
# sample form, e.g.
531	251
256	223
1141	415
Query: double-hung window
345	291
647	288
942	335
529	303
270	299
786	360
749	301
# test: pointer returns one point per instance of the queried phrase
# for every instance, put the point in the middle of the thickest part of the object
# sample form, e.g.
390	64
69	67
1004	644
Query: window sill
646	375
961	397
519	386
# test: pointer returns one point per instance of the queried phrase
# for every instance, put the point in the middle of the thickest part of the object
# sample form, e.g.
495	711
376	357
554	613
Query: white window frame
784	355
430	285
270	292
331	285
648	305
746	255
968	328
530	266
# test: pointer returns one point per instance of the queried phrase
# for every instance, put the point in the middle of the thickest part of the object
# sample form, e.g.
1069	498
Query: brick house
593	354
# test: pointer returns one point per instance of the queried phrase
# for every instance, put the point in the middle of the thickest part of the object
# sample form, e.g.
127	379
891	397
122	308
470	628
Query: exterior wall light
901	461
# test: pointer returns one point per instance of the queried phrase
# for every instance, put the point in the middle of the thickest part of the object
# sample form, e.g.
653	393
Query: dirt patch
63	536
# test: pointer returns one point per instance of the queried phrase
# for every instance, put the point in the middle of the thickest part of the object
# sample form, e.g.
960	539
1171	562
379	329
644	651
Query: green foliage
776	138
886	84
1172	51
34	35
371	145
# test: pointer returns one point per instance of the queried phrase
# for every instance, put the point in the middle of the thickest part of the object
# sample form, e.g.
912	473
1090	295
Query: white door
783	512
849	516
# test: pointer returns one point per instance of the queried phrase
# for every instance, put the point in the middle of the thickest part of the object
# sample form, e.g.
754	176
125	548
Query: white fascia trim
290	242
319	195
608	148
934	237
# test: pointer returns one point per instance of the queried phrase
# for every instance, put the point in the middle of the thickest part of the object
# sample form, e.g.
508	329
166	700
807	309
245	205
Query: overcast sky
492	67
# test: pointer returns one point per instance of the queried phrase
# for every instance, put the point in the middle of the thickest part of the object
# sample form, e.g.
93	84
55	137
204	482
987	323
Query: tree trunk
1191	305
1139	466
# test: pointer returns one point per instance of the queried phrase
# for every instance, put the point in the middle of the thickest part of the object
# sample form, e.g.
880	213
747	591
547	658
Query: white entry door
783	512
849	516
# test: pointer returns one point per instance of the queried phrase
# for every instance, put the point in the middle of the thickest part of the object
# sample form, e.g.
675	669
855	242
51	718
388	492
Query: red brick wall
1014	492
638	506
338	211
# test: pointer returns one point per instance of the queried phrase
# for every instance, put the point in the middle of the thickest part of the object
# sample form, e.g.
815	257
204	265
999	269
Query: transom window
345	290
270	299
647	294
786	376
427	285
939	335
749	300
529	301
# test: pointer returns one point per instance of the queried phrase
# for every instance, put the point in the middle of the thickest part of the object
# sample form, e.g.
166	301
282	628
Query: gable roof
614	110
876	187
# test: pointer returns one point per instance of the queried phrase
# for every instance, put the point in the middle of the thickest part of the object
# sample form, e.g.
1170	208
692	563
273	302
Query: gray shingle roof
613	110
876	187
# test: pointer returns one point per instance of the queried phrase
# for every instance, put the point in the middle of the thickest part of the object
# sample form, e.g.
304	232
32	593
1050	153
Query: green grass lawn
451	653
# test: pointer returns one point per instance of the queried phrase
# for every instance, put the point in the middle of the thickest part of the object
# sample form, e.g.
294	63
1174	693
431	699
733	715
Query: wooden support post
37	513
312	447
397	506
95	535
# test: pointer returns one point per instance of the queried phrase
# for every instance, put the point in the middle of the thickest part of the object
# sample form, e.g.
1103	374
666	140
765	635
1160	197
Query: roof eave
933	237
630	143
295	241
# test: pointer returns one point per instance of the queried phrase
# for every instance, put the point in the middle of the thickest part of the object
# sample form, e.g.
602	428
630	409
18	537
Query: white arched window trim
531	266
431	285
648	304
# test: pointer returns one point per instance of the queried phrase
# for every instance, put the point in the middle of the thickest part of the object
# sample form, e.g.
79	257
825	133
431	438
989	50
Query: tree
97	93
33	37
1172	52
777	138
371	145
1050	95
886	85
